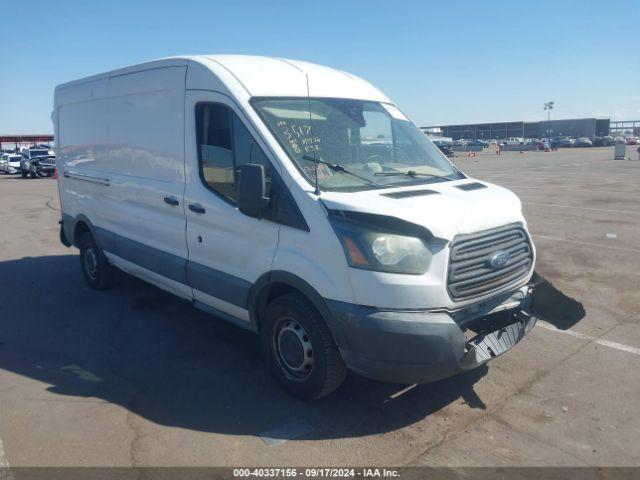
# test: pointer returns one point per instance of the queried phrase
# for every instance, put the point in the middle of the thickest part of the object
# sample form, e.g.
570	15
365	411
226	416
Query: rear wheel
300	349
97	271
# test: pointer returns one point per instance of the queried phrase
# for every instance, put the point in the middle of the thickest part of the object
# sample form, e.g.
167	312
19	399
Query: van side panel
82	144
122	156
146	124
146	162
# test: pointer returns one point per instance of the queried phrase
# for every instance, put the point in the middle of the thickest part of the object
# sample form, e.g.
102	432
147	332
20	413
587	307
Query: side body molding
236	291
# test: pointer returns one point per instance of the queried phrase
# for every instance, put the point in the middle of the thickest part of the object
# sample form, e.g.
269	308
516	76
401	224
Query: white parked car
246	185
10	163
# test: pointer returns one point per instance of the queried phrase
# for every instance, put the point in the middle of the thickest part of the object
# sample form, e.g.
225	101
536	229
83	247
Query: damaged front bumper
489	344
425	346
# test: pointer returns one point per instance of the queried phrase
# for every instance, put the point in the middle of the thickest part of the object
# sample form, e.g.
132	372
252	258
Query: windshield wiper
410	173
336	167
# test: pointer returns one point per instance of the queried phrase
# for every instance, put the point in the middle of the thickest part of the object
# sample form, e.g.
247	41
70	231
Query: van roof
256	76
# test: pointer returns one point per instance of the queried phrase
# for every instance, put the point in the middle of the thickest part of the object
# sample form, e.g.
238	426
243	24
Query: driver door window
224	143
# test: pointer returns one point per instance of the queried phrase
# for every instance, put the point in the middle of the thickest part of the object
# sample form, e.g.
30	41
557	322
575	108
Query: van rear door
228	250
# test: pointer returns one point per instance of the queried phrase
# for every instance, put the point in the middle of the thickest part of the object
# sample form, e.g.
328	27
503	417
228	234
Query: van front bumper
425	346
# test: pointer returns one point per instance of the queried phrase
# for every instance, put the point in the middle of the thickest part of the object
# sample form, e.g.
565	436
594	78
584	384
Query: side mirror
251	189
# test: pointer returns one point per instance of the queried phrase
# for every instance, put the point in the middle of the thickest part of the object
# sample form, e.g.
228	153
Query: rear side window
223	144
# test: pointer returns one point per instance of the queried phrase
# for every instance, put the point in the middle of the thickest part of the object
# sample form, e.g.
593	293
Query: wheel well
268	294
285	283
80	229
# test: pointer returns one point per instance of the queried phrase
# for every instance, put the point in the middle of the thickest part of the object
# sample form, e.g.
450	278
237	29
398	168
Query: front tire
300	348
97	271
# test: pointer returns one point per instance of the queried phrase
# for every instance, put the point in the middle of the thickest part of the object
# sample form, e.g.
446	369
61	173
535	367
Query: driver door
228	250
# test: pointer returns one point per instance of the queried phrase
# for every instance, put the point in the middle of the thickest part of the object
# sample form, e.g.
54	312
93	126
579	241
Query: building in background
625	127
15	142
573	127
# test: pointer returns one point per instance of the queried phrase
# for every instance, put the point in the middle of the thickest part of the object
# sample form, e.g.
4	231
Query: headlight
373	249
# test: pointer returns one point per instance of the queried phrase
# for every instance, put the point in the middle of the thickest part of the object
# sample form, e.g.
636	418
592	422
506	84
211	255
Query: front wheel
23	174
300	348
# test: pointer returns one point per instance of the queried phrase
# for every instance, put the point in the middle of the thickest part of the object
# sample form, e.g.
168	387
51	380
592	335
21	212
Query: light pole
548	107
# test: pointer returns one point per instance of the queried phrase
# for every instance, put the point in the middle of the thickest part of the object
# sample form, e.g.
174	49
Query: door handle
196	208
171	200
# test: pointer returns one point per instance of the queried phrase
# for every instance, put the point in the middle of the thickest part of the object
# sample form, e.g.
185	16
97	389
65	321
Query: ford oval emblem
499	259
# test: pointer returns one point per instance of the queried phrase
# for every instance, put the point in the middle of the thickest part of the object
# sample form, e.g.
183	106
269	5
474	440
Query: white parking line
602	173
289	431
401	392
533	179
589	338
608	210
590	244
4	463
564	189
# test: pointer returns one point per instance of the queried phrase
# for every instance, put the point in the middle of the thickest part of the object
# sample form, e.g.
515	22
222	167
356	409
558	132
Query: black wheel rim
293	349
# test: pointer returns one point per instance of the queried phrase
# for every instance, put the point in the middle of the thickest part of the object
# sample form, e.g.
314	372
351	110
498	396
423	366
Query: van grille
470	273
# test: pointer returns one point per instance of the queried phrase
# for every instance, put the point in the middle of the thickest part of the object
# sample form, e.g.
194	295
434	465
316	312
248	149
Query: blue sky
441	62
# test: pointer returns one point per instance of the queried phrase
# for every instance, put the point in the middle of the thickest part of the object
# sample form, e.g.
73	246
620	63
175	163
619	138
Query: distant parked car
631	140
540	144
10	163
562	142
603	141
444	146
461	142
583	142
37	162
514	141
476	143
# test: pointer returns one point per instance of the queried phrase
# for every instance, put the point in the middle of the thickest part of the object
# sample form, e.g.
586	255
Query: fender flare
70	232
260	287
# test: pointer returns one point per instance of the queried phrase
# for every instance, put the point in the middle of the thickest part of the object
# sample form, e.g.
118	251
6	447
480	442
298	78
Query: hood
446	209
45	159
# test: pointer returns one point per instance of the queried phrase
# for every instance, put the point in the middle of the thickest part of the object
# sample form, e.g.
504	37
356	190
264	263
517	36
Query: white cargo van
297	201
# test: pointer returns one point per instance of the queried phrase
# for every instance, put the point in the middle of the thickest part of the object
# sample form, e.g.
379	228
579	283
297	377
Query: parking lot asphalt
134	376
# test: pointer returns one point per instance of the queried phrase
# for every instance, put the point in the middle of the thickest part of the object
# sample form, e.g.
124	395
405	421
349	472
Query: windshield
374	143
38	153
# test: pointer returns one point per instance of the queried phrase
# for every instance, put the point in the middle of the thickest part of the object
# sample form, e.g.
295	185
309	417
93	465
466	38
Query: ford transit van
297	201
